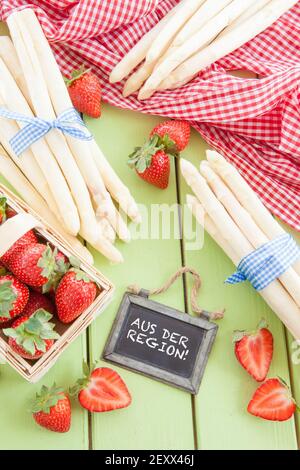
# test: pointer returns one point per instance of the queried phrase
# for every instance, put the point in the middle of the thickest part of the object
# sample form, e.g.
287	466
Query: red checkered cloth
253	123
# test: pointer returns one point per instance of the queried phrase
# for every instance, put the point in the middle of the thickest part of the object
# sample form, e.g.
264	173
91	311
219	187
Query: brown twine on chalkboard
134	289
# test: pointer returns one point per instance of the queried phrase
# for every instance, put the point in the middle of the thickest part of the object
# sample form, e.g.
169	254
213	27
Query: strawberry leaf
3	207
46	399
7	298
32	333
141	158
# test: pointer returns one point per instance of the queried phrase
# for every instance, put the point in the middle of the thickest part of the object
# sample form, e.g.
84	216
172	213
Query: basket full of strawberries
48	294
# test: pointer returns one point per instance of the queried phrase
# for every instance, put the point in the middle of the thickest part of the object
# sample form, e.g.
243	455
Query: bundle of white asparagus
193	35
67	180
238	221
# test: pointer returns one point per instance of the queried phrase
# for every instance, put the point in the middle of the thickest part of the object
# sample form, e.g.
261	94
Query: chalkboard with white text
161	342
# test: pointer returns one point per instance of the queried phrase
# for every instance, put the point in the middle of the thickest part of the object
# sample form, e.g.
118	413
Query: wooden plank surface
221	417
160	417
18	429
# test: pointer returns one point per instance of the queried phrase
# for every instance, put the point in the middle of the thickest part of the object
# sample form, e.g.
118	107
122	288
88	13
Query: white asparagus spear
228	43
201	38
158	47
89	227
204	14
26	162
114	184
203	219
136	80
257	5
247	197
138	53
274	294
290	305
61	101
16	178
15	101
160	44
55	139
289	279
10	58
116	187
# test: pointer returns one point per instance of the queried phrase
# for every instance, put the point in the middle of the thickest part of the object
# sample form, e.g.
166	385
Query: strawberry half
51	409
32	336
101	390
273	401
27	239
254	350
85	92
75	293
173	134
37	265
14	296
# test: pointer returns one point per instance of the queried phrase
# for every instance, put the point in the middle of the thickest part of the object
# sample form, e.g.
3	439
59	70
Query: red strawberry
151	163
39	266
254	350
51	409
174	134
85	92
10	213
273	401
75	293
32	336
36	302
3	208
17	247
101	390
13	297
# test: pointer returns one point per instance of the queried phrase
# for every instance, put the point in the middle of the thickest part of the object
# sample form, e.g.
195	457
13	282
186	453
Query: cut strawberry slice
273	401
101	390
254	350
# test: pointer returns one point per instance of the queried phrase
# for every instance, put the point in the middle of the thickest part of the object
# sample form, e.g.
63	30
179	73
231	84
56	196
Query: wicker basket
34	370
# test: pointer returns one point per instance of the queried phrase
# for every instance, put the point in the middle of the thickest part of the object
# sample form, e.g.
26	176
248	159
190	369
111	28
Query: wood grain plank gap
185	290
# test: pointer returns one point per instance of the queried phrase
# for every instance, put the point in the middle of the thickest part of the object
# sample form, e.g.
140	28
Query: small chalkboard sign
160	342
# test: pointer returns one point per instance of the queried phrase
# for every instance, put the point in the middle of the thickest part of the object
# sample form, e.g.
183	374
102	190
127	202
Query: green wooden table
161	417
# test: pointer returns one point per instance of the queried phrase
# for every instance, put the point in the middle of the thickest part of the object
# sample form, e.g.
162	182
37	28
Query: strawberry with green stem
85	92
152	160
51	409
14	296
273	401
101	389
152	163
31	337
254	350
39	266
75	293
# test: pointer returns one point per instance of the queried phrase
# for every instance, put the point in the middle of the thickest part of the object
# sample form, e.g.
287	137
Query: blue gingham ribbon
36	128
267	263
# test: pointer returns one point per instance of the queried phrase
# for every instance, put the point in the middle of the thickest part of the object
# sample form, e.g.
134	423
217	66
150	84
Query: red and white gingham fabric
254	123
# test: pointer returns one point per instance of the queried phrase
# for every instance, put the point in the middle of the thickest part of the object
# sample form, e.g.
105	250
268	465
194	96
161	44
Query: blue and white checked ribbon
267	263
36	128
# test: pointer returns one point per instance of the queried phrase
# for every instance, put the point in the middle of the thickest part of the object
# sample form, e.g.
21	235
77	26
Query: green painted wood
221	417
160	417
18	429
